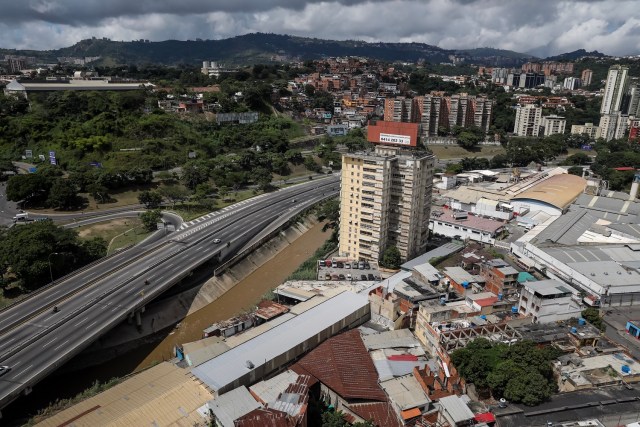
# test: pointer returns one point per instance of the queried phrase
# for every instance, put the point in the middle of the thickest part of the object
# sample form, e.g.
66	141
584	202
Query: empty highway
34	341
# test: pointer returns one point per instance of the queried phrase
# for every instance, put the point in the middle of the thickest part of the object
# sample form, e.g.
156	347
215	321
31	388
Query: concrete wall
451	231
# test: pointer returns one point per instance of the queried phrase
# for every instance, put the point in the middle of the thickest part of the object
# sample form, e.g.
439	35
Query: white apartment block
588	129
553	125
615	89
613	126
547	301
385	200
528	120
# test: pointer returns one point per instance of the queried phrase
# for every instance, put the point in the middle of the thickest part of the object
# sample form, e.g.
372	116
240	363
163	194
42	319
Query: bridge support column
130	318
138	318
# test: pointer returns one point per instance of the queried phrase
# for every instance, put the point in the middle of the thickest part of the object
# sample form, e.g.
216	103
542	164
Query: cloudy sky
539	26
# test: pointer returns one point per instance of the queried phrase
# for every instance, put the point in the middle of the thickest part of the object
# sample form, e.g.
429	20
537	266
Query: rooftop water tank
574	330
500	296
514	309
582	322
625	369
483	317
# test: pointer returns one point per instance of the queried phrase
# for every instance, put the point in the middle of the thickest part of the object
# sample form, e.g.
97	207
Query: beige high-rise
385	200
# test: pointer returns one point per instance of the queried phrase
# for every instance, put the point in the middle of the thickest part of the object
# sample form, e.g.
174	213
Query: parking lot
348	270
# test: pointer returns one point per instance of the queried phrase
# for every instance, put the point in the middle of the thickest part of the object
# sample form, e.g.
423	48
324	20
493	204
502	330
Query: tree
27	250
391	258
194	174
150	199
174	193
63	194
93	249
592	315
150	219
98	191
311	164
576	170
29	188
330	211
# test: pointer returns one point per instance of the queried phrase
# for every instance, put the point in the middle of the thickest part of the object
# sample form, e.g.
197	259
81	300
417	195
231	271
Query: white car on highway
217	240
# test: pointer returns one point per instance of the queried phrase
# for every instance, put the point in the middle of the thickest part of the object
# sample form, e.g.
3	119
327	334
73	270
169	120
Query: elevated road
35	340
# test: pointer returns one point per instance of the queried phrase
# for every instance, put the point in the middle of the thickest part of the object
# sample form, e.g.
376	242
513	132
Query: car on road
217	240
341	276
327	276
354	265
361	265
334	264
363	277
327	263
347	265
4	369
349	276
340	265
367	266
370	277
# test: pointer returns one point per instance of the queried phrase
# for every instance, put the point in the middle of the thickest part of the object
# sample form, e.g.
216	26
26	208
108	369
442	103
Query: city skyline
541	28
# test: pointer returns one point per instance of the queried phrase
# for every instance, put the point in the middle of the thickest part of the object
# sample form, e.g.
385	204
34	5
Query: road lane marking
24	370
61	345
49	343
91	324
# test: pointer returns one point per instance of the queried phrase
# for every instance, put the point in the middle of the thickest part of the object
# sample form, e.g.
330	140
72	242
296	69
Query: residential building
615	89
586	77
572	83
553	125
16	64
528	120
436	112
612	126
634	100
399	109
588	129
386	194
465	226
501	278
547	301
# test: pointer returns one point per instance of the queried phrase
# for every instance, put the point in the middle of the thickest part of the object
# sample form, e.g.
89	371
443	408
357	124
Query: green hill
259	48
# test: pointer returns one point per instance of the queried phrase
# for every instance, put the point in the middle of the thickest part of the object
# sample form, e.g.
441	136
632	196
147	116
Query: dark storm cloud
543	26
77	12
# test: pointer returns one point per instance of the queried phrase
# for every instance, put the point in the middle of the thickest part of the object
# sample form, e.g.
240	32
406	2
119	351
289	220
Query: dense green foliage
150	219
26	250
520	373
391	258
614	154
592	315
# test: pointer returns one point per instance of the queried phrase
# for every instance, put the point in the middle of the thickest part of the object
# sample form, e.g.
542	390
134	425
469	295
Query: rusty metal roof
343	364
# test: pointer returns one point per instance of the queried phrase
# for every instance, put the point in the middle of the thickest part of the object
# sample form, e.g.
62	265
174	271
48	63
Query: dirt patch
113	227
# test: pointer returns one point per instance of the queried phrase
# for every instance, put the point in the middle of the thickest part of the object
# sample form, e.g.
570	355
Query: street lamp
51	271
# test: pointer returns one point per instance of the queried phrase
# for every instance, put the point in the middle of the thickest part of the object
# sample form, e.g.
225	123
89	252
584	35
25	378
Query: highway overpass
35	340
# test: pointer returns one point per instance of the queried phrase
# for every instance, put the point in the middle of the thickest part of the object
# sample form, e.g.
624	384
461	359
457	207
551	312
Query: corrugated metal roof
269	390
401	338
342	363
265	417
405	392
444	250
233	405
381	413
226	368
558	191
456	408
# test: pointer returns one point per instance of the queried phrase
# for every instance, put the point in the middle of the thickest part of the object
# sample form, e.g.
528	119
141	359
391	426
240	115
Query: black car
4	369
363	277
341	277
366	266
370	277
340	265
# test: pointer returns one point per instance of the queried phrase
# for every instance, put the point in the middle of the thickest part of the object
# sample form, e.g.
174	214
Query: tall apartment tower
586	77
400	109
528	120
438	111
615	89
385	197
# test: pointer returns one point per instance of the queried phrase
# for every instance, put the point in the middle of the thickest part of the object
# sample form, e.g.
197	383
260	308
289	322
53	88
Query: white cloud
548	26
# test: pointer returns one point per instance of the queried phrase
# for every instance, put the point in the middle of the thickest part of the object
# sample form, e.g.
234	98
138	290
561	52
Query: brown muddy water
242	297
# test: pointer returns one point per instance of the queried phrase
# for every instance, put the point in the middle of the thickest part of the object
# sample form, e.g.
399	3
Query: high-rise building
615	89
634	100
586	76
385	197
572	83
553	125
437	111
528	120
613	126
400	109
